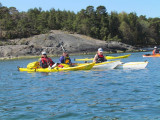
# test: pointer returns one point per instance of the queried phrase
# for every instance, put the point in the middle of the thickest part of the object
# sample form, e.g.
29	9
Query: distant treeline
97	23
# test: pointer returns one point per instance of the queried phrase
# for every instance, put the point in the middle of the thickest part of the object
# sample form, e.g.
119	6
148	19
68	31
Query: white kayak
107	65
132	65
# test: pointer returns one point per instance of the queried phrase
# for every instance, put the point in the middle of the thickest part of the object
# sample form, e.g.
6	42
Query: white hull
106	65
132	65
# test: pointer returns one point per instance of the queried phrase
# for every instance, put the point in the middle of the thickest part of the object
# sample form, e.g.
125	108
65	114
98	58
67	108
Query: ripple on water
111	94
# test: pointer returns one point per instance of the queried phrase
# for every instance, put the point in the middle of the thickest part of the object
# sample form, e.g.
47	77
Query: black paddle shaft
64	50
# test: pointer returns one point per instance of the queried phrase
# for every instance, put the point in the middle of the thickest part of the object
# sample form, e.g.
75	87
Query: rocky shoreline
51	43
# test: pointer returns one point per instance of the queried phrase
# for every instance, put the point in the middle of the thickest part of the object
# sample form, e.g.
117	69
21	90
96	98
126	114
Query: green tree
42	22
97	23
1	5
126	33
102	22
114	24
68	21
80	22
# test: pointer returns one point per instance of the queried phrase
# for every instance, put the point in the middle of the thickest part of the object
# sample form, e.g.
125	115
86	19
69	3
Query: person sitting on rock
99	57
155	51
46	62
65	58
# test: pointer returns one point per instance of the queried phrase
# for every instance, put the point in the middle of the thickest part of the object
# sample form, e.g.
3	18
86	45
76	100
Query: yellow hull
87	66
107	57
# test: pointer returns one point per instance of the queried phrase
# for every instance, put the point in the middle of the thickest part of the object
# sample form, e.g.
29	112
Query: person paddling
65	58
46	62
155	51
99	57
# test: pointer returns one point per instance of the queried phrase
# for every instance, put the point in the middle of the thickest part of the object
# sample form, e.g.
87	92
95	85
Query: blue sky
150	8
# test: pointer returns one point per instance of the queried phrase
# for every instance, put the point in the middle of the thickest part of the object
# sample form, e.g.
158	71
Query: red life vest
47	61
100	58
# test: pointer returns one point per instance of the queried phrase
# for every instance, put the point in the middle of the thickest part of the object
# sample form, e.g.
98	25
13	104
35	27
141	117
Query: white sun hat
100	49
44	53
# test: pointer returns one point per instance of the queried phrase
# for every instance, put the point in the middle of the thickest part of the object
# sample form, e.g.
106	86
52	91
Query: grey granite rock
51	43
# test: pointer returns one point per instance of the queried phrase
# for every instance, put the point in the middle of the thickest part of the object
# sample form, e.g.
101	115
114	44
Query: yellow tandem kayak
107	57
86	66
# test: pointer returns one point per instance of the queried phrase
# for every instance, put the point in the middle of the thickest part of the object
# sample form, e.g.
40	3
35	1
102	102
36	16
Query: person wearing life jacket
65	58
45	62
155	51
99	57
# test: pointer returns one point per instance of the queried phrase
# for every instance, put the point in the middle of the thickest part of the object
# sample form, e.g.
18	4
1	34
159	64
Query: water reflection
45	74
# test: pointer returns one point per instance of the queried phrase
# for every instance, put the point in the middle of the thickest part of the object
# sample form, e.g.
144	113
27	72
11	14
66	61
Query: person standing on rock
99	57
65	58
46	62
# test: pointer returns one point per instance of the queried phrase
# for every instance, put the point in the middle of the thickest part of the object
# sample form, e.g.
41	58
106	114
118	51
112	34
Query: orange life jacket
155	52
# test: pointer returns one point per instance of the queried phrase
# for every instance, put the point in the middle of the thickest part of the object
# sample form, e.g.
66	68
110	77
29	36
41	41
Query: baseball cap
100	49
44	53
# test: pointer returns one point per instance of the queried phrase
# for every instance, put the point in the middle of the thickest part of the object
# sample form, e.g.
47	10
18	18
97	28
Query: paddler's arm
95	58
153	52
41	63
70	62
61	59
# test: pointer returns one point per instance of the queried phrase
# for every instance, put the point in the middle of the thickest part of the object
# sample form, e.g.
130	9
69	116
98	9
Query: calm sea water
80	95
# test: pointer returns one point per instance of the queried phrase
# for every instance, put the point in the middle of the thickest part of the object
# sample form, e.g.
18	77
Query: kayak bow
150	55
106	65
132	65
